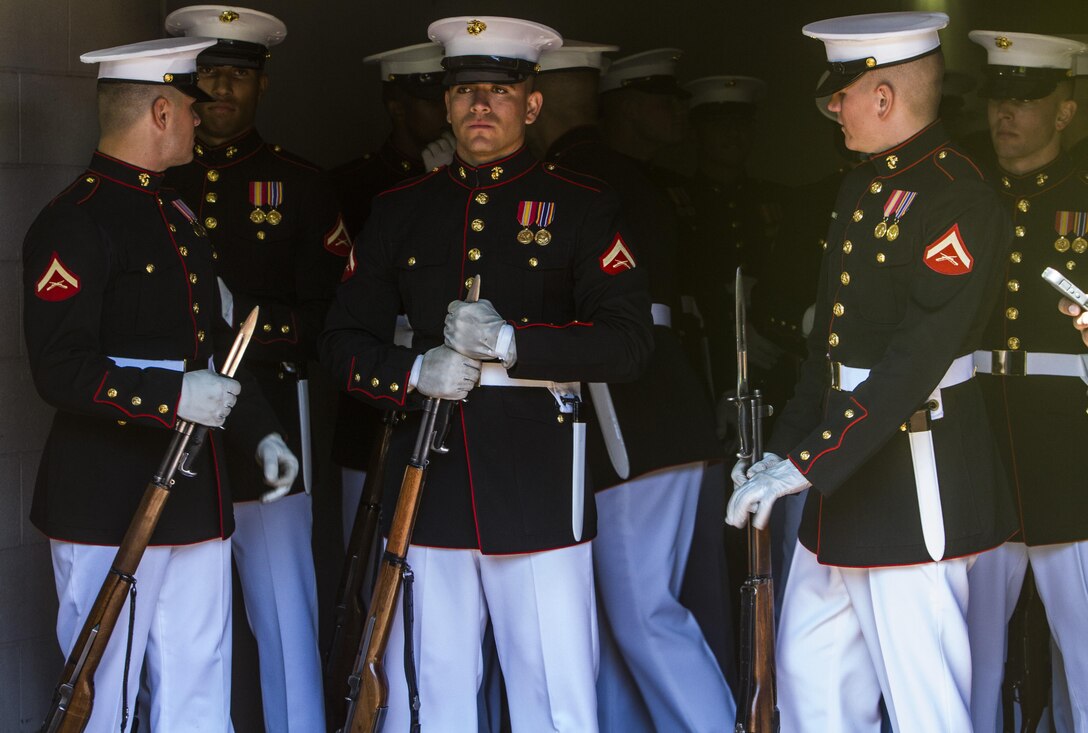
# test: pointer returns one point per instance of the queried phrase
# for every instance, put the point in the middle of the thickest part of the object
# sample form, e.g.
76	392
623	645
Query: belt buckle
834	374
1006	363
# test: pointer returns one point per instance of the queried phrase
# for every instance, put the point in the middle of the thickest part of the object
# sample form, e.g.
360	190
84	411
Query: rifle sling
409	657
131	580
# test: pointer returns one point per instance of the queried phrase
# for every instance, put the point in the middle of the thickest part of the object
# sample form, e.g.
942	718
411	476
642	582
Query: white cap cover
227	22
735	89
646	70
1025	65
419	58
576	55
169	61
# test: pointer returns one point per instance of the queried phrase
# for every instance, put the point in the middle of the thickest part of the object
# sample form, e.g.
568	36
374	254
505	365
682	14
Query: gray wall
324	105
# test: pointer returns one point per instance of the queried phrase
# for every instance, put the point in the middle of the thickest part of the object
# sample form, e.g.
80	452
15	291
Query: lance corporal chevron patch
948	255
57	282
617	257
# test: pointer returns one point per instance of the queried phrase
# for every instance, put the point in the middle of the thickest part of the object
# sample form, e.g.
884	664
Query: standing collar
572	138
917	147
495	173
398	161
1038	180
229	152
125	174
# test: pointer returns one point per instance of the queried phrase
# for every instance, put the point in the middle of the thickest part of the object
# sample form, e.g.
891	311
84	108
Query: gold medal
543	237
1062	244
893	232
257	216
1080	244
525	236
881	228
274	217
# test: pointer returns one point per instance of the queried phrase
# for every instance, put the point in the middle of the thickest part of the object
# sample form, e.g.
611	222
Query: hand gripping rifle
368	689
350	611
73	698
758	712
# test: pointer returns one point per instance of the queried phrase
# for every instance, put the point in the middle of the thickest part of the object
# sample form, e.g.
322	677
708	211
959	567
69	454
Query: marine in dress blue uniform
1032	371
282	245
647	458
122	319
502	512
887	425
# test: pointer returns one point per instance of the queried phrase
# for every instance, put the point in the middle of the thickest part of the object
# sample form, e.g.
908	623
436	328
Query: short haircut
120	105
918	84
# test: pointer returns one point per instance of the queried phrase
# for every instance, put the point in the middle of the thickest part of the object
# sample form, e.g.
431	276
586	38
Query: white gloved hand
207	397
439	152
447	375
226	301
476	330
742	472
279	465
759	494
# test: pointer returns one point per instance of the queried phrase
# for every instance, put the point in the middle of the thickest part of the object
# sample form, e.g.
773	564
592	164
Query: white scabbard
929	492
578	480
610	429
304	434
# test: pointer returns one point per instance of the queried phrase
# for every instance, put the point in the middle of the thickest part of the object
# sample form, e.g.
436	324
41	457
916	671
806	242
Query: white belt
847	379
1004	363
494	375
662	314
174	365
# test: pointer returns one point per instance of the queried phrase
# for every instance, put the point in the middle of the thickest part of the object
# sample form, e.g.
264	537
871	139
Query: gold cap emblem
228	16
1002	42
476	27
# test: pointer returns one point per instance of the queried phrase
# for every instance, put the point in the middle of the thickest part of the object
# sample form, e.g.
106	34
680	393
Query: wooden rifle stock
368	695
350	612
73	699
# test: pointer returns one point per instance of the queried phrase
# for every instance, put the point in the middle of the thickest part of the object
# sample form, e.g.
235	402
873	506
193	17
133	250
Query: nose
835	103
481	100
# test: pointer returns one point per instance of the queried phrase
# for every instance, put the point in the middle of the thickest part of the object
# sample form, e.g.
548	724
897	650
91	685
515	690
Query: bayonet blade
742	339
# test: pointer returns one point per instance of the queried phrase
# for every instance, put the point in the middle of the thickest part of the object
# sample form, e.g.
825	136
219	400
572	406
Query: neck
135	151
213	141
1033	162
478	161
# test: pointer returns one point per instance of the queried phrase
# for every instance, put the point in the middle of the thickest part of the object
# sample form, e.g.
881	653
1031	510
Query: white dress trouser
849	635
181	632
1061	576
644	532
276	569
543	613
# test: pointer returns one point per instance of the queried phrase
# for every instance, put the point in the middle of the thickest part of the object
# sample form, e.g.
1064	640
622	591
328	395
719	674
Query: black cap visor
1020	82
240	54
184	83
654	85
420	86
486	69
842	74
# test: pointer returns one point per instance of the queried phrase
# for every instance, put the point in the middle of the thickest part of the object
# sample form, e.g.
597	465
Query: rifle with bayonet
350	610
368	689
1027	665
73	698
758	711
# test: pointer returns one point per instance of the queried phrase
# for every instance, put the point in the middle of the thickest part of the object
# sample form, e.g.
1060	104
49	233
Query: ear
533	103
446	97
883	99
161	109
1066	111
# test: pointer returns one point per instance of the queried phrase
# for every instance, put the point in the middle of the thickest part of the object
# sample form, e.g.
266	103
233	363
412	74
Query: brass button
210	222
844	278
411	261
196	307
200	336
150	267
833	339
805	455
163	409
1019	231
550	166
560	419
847	246
183	251
373	382
285	329
1023	205
1014	285
122	423
477	225
1016	257
823	243
1070	265
136	401
880	257
192	278
394	387
1014	343
876	187
943	154
356	377
172	228
848	414
826	435
474	254
90	179
468	283
211	197
533	262
858	214
903	428
215	255
1012	313
267	328
260	234
524	319
481	198
111	392
838	309
213	175
1005	182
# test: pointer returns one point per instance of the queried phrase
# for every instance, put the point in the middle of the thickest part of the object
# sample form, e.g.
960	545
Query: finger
762	513
271	468
1065	305
738	475
278	493
737	511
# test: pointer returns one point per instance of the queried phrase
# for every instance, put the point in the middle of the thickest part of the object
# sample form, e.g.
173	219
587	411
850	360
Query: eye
204	71
241	73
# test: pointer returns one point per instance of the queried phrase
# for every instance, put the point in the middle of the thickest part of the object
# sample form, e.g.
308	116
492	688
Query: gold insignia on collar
1041	179
1002	42
892	161
232	151
144	179
198	149
476	27
228	16
496	172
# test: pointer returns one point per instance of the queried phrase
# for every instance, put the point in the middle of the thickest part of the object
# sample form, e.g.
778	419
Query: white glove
279	464
207	397
447	375
759	494
439	152
226	301
477	331
741	472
